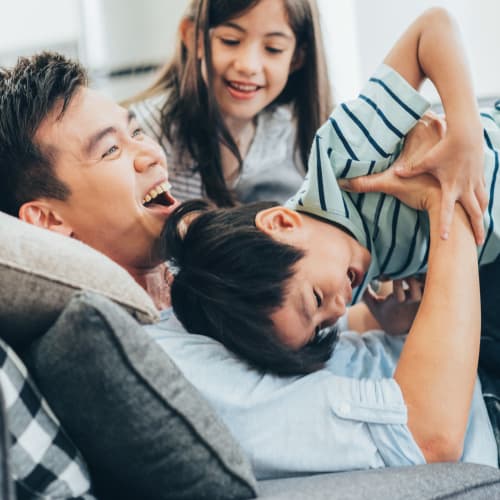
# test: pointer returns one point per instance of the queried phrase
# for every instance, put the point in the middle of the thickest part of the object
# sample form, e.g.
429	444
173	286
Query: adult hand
420	192
455	158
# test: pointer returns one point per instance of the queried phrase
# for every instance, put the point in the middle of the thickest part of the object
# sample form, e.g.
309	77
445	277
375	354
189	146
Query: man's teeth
156	191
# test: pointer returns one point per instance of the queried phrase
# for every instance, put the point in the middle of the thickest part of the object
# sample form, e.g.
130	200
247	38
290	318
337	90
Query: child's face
252	57
321	288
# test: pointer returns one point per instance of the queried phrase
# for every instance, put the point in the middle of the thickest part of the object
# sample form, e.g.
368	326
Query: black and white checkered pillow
44	462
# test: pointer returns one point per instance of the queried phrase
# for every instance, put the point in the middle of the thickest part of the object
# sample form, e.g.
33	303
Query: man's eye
318	298
110	151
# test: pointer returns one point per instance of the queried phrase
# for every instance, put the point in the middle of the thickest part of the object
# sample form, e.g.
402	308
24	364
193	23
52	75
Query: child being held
266	279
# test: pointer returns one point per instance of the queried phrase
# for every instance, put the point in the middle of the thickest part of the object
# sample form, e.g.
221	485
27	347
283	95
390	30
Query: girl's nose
248	61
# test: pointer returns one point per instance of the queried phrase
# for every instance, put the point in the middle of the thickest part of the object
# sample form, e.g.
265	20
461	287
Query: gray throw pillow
40	270
144	431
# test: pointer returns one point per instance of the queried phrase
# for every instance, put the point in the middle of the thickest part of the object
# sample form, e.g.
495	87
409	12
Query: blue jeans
489	354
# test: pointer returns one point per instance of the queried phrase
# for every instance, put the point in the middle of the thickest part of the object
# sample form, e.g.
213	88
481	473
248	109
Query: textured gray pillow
40	270
143	429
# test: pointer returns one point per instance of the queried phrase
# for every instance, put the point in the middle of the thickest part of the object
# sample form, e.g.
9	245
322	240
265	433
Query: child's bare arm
431	47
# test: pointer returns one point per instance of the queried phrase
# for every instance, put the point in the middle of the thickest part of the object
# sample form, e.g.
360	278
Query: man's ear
41	214
278	221
186	32
298	58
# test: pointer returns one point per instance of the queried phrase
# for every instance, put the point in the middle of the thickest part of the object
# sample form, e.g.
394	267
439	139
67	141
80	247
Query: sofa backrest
40	270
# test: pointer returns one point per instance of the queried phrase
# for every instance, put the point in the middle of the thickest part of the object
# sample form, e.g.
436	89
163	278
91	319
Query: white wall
376	24
28	23
358	33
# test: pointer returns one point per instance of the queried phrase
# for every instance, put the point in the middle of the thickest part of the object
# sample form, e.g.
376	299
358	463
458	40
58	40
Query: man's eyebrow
94	139
237	27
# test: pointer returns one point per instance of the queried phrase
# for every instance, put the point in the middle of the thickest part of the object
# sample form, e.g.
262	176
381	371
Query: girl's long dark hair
190	117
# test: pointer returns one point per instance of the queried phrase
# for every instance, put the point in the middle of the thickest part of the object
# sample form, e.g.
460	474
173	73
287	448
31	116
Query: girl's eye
274	50
138	131
229	41
110	151
318	298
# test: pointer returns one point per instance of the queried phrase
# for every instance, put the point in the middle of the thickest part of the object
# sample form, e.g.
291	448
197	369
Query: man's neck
155	281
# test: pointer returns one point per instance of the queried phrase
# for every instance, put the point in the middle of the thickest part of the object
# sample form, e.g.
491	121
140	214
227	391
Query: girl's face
252	57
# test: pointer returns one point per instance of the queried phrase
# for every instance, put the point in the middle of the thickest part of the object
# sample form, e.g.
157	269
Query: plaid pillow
43	461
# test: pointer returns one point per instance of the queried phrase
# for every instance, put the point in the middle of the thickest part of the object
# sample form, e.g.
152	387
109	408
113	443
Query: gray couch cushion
422	482
143	429
40	270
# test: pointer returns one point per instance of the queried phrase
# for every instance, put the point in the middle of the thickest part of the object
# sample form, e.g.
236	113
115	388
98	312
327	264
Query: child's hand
395	316
455	159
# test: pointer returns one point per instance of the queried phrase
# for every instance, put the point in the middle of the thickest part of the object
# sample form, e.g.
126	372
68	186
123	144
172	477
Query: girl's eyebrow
231	24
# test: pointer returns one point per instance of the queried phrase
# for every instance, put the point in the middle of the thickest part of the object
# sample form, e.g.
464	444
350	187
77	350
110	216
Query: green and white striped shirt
365	136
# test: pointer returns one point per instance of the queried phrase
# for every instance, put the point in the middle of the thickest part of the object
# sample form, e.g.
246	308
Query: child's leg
489	356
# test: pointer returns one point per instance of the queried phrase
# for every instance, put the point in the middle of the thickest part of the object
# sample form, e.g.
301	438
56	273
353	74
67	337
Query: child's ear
276	221
186	32
298	58
41	214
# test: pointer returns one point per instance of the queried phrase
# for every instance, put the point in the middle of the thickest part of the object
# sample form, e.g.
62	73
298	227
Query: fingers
410	168
415	288
482	195
446	215
408	289
473	208
372	300
399	289
472	204
365	184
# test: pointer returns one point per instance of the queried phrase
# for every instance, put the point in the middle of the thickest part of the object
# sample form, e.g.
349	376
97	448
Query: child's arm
431	48
439	358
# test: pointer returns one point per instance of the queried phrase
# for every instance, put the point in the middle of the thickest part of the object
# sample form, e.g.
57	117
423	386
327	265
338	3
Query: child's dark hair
191	118
28	93
230	277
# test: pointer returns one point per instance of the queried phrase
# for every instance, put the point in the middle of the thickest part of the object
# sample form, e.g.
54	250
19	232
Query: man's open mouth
159	195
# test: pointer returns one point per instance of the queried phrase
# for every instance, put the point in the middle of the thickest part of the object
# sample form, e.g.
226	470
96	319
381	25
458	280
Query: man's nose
148	155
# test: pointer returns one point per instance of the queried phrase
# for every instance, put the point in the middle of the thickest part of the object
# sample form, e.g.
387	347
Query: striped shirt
365	136
272	168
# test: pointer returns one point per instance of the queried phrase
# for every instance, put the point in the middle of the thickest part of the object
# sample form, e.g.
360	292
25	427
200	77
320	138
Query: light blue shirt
350	415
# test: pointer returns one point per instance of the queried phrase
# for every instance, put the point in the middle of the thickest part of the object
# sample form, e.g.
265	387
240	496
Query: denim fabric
491	395
489	357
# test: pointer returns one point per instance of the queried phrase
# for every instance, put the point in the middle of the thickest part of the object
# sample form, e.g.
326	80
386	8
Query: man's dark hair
28	93
230	278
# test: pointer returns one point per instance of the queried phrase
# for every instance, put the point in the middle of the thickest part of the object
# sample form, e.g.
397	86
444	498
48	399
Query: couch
91	407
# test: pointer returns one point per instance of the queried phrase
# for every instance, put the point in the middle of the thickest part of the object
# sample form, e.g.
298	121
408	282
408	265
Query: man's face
112	170
321	288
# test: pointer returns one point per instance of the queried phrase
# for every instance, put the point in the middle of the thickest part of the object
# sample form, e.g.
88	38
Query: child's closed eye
319	299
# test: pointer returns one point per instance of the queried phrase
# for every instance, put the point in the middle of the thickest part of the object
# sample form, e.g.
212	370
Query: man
74	162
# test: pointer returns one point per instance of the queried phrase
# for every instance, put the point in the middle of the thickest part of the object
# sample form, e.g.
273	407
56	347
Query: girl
236	108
